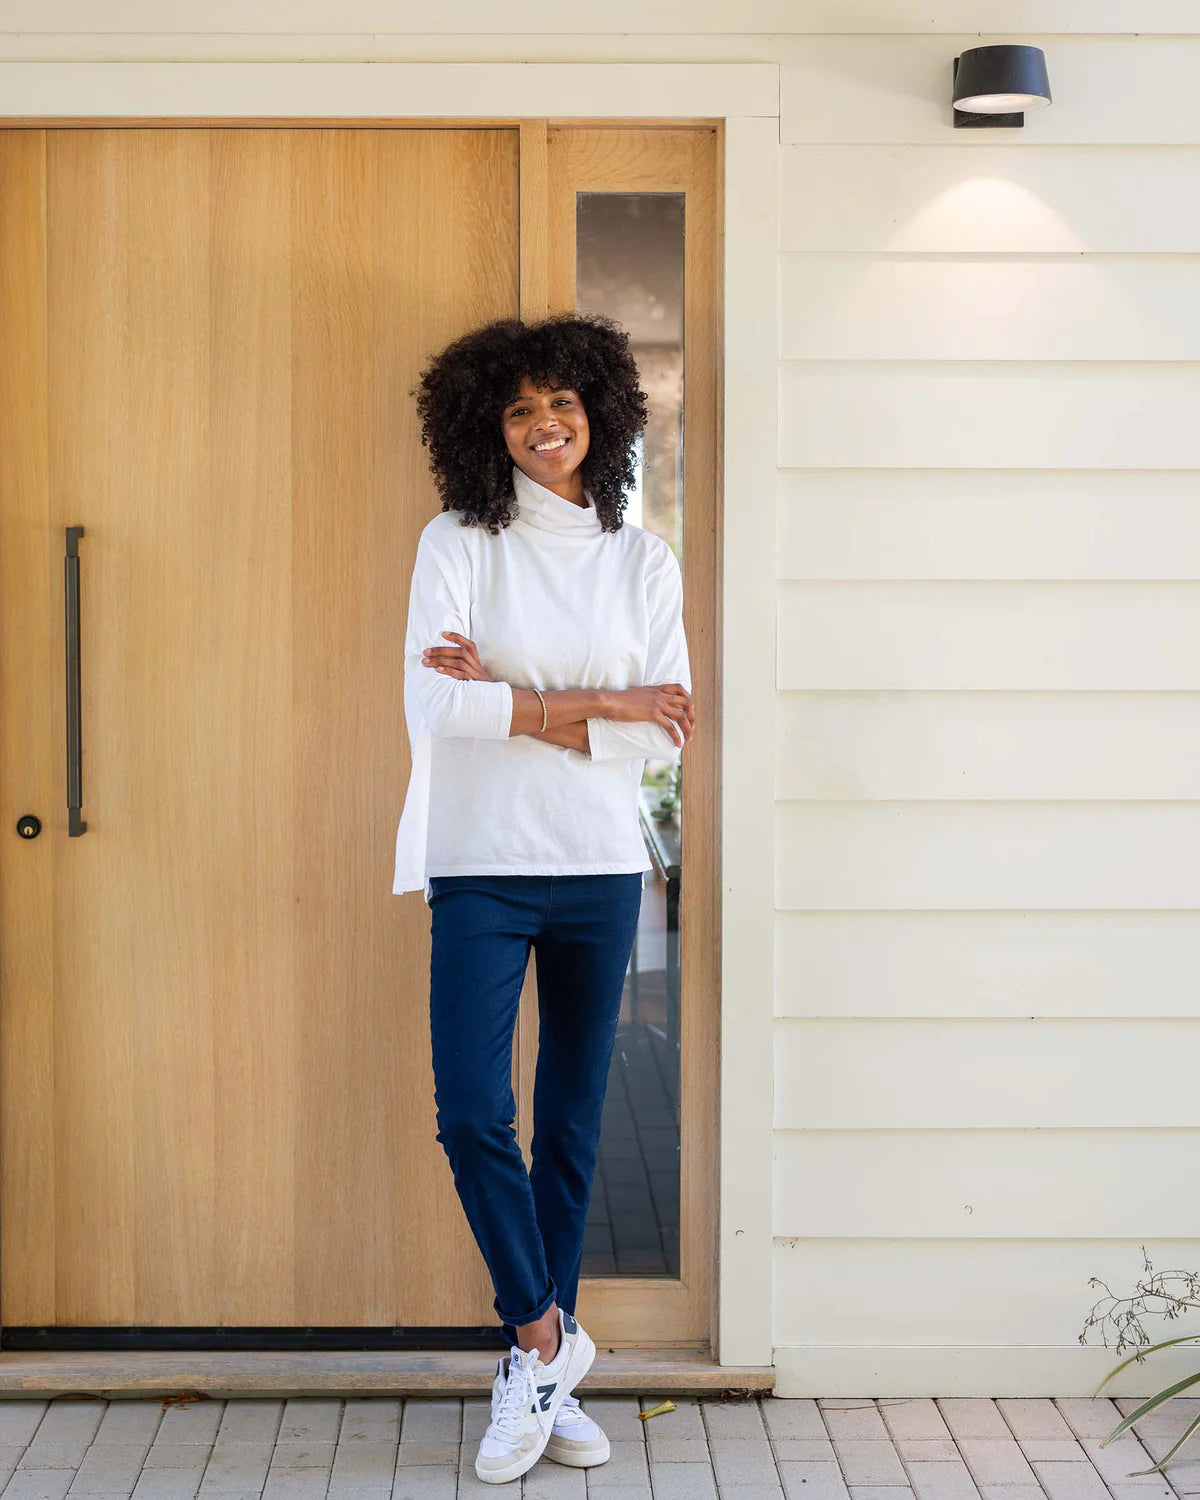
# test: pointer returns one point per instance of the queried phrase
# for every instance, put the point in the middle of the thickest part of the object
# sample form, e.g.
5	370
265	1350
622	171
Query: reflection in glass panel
629	266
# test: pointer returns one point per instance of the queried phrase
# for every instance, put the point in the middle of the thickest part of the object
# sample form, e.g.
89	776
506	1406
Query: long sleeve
666	661
440	600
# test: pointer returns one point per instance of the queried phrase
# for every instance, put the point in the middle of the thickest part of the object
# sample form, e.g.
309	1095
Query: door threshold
413	1372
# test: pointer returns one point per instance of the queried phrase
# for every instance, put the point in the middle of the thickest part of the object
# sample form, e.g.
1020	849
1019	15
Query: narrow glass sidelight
630	266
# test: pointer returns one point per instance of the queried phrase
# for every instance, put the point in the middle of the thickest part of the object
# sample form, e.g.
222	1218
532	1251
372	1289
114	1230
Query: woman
540	620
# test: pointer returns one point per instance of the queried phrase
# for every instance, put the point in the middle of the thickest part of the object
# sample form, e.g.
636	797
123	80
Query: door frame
744	97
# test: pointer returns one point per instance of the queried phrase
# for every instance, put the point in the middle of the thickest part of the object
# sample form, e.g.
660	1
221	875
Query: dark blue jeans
529	1225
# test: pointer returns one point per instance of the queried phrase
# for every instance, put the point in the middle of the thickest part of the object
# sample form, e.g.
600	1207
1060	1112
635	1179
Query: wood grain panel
976	1184
990	199
257	1055
986	1074
876	307
137	926
31	720
986	416
987	963
535	246
980	856
988	524
400	242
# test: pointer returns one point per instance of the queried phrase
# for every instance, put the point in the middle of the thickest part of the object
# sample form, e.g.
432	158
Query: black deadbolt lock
29	827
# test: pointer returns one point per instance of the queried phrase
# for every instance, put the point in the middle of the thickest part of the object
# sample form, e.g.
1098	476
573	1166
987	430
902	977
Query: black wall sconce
993	86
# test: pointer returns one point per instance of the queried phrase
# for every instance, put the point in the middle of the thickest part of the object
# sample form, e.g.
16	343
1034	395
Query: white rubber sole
573	1458
514	1471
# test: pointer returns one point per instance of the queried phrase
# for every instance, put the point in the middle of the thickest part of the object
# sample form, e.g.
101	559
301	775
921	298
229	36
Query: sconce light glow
993	86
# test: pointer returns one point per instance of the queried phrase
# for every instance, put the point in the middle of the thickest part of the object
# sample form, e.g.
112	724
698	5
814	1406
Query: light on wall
993	86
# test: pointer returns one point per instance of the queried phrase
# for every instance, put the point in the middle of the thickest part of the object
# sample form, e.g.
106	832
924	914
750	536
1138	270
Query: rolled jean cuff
529	1317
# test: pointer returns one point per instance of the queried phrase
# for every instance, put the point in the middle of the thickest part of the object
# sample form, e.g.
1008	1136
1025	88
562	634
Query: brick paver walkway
424	1449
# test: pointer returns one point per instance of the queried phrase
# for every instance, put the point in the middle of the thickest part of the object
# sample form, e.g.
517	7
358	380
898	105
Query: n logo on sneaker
545	1392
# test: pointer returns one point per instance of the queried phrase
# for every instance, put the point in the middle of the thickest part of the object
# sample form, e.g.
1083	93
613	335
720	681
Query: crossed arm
455	695
573	736
569	710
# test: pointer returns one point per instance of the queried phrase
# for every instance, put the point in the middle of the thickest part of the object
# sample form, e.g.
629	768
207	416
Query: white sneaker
526	1397
575	1439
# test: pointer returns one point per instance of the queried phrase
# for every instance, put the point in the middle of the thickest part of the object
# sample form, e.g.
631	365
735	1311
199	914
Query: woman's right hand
668	704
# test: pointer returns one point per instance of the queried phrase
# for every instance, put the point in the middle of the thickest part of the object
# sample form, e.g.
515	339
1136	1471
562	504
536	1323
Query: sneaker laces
515	1398
570	1411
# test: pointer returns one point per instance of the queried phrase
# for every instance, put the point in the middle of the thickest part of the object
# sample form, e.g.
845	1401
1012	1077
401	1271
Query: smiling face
546	432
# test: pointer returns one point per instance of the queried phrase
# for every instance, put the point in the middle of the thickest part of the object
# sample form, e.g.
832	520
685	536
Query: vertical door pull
75	823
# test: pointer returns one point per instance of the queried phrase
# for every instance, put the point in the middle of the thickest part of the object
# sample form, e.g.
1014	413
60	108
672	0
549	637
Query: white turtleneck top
552	601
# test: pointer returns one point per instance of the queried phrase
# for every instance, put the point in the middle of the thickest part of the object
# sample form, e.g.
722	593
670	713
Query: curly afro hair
463	391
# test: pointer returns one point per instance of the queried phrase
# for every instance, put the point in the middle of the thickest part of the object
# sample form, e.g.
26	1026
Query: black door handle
75	823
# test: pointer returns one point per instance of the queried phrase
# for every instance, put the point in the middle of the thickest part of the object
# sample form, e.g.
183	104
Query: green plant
1153	1295
672	794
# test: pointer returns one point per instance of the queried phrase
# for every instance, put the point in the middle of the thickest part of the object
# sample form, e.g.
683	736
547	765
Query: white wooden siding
989	856
989	524
989	527
892	964
952	1074
983	1183
875	1293
989	416
999	636
883	307
988	746
994	200
987	984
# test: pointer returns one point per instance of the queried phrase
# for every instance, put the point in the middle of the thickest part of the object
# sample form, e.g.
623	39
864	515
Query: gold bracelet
542	701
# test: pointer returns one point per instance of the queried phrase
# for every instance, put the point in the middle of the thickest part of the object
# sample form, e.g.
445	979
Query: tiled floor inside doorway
633	1216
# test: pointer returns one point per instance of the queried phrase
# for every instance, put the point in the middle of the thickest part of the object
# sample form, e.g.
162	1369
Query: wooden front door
216	1098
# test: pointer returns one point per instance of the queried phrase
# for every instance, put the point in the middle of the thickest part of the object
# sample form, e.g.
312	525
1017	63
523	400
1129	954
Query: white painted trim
364	90
454	18
748	812
986	1371
746	97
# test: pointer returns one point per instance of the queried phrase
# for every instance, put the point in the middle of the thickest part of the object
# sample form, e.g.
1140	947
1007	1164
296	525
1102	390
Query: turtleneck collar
546	511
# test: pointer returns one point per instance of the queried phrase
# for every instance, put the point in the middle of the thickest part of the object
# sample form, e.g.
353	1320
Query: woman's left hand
461	661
